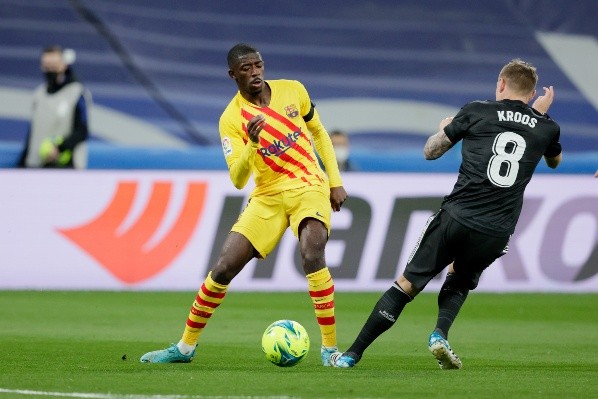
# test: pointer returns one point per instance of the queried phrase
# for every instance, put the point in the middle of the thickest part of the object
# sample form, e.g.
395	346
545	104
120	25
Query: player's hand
543	102
53	155
255	126
338	195
48	152
445	122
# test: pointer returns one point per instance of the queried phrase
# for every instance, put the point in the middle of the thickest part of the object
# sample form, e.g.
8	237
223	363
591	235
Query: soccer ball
285	343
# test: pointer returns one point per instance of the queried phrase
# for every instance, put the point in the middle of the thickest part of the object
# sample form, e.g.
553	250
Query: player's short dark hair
53	48
337	132
521	76
237	51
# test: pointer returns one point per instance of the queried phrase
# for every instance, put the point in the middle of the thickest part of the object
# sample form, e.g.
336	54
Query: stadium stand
383	71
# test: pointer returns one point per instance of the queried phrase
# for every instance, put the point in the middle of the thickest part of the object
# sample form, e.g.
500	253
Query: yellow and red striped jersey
285	157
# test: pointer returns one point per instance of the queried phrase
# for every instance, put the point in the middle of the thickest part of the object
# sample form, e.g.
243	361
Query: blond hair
521	76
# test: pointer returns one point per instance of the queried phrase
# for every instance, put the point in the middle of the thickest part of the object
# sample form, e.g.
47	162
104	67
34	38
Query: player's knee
312	246
312	256
460	283
312	252
224	272
312	262
220	276
407	287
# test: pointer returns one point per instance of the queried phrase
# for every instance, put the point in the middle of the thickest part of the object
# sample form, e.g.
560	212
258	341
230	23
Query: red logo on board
126	255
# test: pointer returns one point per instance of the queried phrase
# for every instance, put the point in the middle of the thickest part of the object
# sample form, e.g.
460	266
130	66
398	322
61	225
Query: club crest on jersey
291	111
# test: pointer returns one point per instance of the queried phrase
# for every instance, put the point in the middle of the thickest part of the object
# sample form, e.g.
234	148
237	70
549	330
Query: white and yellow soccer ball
285	343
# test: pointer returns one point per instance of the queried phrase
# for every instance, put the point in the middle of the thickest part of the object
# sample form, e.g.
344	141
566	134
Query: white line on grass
117	396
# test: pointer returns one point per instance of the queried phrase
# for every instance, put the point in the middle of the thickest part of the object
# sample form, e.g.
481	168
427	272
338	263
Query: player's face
52	62
248	72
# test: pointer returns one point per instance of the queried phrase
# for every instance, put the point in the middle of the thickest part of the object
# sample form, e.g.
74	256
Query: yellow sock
321	290
208	298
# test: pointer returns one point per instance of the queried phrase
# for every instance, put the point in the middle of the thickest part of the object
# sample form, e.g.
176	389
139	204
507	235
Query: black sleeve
554	148
21	161
460	124
80	131
457	129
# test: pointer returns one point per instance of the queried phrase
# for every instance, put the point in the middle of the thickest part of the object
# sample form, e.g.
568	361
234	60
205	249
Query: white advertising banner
162	230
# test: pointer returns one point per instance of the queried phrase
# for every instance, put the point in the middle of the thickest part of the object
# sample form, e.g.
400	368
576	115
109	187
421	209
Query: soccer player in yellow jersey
269	129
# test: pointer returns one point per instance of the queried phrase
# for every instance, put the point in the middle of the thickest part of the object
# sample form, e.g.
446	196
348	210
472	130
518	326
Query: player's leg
312	240
382	317
310	222
427	260
236	252
451	297
474	253
252	235
464	274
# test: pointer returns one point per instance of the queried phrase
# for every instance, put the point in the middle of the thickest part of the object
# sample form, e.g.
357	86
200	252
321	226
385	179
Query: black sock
450	299
383	316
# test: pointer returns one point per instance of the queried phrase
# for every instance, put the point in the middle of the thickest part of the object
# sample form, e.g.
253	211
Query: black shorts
444	240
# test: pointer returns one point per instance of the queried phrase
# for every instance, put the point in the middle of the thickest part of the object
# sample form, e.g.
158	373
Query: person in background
342	150
59	127
503	142
271	130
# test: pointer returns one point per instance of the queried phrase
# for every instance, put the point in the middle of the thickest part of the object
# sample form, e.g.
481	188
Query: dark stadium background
161	65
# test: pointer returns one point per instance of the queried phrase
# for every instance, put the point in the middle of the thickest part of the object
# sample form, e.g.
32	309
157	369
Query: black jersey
503	141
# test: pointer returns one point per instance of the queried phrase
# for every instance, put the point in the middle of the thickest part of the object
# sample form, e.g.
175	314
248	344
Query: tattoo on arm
437	145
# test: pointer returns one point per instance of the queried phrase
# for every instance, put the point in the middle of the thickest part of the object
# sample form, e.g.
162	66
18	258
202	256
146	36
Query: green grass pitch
88	344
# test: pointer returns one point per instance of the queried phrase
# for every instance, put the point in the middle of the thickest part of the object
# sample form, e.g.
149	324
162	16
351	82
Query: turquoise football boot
327	354
168	355
442	351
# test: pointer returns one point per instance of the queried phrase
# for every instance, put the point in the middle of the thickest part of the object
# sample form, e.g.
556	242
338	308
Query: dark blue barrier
103	156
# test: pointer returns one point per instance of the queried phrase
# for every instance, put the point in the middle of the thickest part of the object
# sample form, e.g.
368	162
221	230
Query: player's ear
501	84
231	73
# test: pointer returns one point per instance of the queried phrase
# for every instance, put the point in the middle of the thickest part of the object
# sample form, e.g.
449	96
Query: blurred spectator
342	149
59	124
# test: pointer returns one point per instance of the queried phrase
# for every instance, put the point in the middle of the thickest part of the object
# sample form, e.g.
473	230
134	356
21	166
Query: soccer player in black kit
503	142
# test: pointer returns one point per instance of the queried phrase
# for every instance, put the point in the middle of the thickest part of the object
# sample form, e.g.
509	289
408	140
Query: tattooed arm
439	143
